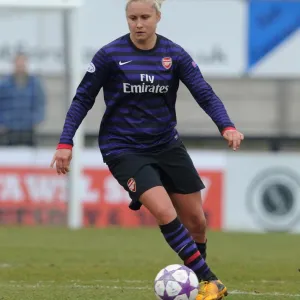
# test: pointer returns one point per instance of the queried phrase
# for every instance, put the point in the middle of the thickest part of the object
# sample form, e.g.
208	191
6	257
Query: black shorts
173	169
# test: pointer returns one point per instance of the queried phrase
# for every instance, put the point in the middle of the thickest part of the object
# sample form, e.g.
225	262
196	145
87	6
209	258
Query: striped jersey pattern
140	90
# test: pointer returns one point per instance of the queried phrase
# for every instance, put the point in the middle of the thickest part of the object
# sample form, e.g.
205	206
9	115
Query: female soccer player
140	73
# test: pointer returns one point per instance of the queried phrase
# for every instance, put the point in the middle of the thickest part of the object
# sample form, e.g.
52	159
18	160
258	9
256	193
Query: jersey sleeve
86	93
191	76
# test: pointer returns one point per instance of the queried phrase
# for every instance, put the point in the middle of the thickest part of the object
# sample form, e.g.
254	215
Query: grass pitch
114	263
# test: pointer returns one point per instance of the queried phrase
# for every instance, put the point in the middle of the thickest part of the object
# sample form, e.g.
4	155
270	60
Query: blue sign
270	23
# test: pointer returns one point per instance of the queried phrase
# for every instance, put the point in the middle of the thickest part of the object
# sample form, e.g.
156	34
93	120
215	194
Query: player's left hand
234	138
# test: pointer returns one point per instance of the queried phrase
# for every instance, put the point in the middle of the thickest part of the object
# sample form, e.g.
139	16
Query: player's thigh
178	172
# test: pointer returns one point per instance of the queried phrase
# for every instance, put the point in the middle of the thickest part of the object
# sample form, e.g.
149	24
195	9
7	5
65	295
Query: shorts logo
167	62
131	185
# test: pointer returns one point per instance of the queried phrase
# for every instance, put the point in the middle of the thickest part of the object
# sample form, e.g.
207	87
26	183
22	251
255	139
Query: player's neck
145	45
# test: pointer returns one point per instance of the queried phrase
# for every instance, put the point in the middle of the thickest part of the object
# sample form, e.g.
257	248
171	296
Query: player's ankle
209	276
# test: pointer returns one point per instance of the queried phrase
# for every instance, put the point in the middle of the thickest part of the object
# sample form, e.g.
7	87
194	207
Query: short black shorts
173	169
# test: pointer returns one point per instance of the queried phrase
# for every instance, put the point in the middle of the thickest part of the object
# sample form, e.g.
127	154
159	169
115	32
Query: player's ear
158	16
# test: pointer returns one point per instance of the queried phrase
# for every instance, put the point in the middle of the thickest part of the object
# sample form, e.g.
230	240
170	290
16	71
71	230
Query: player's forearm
216	110
74	118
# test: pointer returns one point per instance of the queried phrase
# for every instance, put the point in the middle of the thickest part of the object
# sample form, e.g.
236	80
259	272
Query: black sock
182	243
202	249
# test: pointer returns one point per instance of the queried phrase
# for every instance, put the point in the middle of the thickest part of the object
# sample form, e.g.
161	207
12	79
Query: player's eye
145	17
132	18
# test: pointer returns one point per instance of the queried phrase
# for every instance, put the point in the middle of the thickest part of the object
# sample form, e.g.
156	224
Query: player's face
142	20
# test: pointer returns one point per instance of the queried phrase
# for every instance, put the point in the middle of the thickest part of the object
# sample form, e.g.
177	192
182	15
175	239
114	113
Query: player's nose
139	25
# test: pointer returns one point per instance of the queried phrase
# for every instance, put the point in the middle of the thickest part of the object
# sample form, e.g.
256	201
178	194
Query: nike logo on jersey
121	63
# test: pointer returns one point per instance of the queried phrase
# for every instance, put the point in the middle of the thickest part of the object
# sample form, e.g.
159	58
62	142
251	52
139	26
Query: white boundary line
274	294
75	284
134	281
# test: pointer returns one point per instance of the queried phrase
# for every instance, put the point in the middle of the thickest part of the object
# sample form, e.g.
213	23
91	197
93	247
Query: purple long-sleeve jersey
140	90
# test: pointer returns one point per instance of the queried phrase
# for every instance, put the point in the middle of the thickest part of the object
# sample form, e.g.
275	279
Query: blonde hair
156	3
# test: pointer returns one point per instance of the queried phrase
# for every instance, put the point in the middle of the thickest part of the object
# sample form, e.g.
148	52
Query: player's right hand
61	160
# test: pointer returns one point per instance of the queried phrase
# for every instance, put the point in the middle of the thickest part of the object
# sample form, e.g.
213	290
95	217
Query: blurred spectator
22	105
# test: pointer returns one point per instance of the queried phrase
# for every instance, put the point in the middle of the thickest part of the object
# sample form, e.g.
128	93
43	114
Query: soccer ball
176	282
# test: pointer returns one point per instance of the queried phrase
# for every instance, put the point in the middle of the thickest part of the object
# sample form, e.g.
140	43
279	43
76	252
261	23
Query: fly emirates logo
146	86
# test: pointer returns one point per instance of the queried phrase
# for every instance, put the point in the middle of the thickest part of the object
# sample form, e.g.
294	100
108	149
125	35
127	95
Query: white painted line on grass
274	294
40	285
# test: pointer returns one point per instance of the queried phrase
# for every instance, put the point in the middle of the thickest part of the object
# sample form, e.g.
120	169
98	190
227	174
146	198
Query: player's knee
196	223
157	201
165	215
